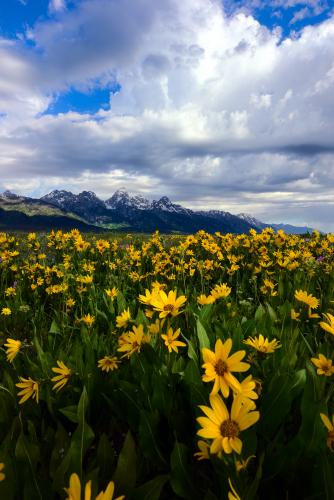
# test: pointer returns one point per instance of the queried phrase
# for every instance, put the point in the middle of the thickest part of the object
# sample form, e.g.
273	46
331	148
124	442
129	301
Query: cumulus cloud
214	110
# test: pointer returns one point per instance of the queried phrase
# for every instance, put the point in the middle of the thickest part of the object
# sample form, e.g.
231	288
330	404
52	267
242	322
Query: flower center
169	307
221	367
229	429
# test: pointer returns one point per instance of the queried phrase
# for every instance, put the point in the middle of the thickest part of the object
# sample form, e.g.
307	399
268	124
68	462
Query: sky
217	104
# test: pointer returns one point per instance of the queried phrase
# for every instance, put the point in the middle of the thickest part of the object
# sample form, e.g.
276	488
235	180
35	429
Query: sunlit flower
168	304
247	389
329	326
204	450
308	299
123	319
13	348
30	388
6	311
324	365
63	377
147	298
221	291
330	427
88	320
108	363
112	294
219	367
204	299
70	303
171	340
224	428
10	291
262	344
74	490
156	327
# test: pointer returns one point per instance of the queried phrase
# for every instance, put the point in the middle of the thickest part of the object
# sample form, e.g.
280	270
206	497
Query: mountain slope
122	212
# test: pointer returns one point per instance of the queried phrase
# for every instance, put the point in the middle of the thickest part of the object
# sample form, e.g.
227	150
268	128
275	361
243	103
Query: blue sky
216	104
19	16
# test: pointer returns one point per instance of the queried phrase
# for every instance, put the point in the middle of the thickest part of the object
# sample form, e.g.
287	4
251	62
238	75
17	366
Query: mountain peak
9	195
167	206
122	199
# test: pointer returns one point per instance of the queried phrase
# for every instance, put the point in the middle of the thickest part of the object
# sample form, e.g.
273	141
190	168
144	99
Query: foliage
110	364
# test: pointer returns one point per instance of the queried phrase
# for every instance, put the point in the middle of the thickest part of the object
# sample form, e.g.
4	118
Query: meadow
166	367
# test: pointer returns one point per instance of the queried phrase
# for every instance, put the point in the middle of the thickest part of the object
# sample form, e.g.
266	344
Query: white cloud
57	6
213	110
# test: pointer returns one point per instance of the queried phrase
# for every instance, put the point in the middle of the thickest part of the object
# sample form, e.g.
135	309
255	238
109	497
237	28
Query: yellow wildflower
70	303
2	475
294	315
324	365
13	348
306	298
108	363
88	320
204	448
204	300
329	326
221	291
63	377
6	311
330	427
112	293
74	490
123	319
171	340
224	428
219	367
30	388
168	304
262	344
131	342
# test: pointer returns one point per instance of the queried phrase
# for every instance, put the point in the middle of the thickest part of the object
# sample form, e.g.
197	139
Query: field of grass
168	367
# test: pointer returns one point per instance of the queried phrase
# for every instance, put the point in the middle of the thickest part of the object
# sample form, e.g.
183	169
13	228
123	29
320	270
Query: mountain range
62	209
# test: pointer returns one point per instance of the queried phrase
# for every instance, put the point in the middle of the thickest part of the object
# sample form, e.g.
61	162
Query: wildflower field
196	367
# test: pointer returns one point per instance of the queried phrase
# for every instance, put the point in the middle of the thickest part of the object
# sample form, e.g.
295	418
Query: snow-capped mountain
121	199
85	204
167	206
123	211
251	220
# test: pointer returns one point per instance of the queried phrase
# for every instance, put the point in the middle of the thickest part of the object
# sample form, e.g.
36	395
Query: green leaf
71	412
181	478
260	313
54	328
152	489
148	431
202	336
126	474
277	402
192	354
105	455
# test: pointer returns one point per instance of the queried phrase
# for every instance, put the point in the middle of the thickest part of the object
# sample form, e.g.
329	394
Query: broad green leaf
126	473
152	489
202	336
